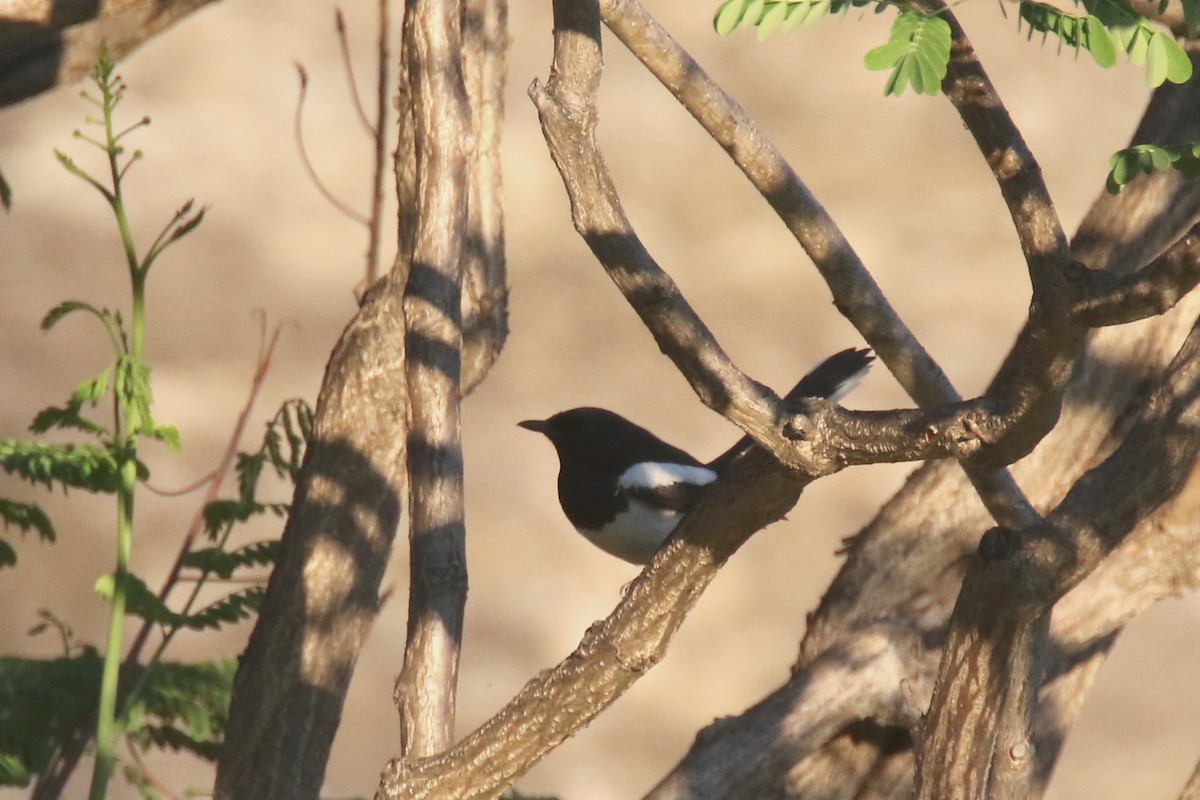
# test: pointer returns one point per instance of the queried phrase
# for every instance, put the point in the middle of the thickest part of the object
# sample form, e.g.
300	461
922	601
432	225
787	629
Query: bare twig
266	350
199	483
161	788
339	22
379	135
309	170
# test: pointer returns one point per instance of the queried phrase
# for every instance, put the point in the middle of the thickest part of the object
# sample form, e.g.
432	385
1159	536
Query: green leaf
82	466
168	435
44	702
8	556
775	15
728	15
805	15
233	607
68	416
1099	43
1156	61
27	517
1179	66
139	600
1137	45
63	309
917	52
752	13
1127	164
224	563
142	603
885	56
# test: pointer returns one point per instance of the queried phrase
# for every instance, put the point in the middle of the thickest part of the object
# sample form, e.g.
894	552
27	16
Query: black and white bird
625	489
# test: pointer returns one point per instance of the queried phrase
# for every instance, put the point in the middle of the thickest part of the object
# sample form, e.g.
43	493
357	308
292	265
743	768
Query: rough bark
322	596
905	568
426	688
49	43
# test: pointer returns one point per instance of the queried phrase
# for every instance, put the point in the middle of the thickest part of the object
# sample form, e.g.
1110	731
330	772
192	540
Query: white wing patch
638	532
654	474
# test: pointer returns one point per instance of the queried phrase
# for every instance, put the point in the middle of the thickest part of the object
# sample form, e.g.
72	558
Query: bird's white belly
636	534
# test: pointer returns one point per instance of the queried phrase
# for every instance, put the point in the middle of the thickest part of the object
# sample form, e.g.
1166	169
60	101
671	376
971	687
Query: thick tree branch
1010	588
855	292
425	690
485	282
880	674
322	596
615	652
49	43
821	438
1103	298
1016	171
906	566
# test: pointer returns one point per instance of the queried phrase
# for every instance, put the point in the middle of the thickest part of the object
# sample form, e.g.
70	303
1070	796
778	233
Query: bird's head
593	435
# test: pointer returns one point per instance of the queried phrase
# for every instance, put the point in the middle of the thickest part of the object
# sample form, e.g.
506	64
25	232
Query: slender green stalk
127	425
108	728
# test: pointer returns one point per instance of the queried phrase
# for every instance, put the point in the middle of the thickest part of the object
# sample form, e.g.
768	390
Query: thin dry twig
379	136
186	489
148	774
309	169
266	351
339	22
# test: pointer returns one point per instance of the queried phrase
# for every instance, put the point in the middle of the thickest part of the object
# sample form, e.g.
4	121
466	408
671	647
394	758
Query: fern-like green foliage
1111	25
917	53
43	702
26	517
1073	30
145	604
283	446
80	466
223	563
1127	164
777	16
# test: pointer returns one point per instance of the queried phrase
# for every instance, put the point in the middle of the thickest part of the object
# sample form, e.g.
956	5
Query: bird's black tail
833	379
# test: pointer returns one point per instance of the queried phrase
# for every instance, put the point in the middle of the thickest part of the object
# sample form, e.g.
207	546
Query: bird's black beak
535	425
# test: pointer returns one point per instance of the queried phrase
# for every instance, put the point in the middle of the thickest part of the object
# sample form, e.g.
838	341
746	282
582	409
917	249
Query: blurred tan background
900	175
